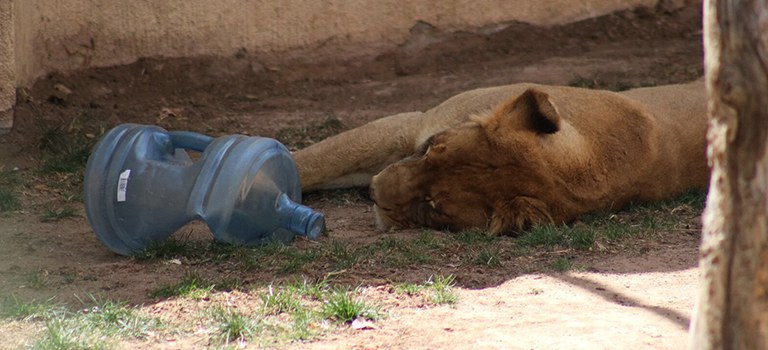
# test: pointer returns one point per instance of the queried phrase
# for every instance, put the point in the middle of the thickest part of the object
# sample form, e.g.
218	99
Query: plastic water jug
141	186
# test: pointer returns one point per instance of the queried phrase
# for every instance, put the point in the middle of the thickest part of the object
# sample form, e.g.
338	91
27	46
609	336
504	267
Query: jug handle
190	140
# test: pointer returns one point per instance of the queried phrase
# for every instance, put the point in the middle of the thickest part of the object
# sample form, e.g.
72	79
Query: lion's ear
532	110
518	215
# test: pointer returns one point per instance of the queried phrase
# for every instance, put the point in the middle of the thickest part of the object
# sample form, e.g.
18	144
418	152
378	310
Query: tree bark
732	306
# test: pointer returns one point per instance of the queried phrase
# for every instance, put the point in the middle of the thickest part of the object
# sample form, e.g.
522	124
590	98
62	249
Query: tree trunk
732	308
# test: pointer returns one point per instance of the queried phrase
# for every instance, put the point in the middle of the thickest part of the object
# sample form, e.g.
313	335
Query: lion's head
490	173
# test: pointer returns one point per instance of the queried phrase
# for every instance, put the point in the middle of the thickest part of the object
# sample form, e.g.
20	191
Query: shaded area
614	296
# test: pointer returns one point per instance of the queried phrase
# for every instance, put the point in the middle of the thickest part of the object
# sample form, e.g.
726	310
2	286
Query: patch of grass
614	227
295	259
489	257
696	199
428	240
68	277
342	306
342	254
191	286
417	254
442	289
56	214
288	258
167	249
614	231
233	326
410	289
285	316
303	325
15	308
94	327
246	257
543	235
561	264
535	291
474	237
36	279
693	199
388	244
116	318
9	198
64	151
305	288
405	252
279	301
273	255
581	237
229	285
62	333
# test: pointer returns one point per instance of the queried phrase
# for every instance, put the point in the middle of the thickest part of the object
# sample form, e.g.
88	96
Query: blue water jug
141	186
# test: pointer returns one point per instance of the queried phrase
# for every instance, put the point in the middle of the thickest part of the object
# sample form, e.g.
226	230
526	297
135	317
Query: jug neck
300	219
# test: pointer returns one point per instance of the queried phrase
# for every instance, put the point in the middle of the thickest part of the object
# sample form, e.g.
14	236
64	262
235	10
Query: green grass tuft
15	308
474	237
429	240
543	235
9	183
36	279
614	227
295	259
489	257
303	327
9	200
191	286
561	264
233	326
168	249
56	214
410	289
95	326
442	289
343	307
64	152
312	290
343	256
279	301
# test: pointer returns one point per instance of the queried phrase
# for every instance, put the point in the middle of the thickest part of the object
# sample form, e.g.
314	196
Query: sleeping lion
505	158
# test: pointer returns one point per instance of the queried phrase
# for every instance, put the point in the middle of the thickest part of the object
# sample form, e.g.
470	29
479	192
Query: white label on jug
122	185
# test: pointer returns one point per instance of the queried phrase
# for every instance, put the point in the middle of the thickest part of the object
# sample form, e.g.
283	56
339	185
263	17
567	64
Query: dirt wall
41	36
61	35
7	65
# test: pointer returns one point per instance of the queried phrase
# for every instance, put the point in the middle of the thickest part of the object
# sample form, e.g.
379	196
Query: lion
506	158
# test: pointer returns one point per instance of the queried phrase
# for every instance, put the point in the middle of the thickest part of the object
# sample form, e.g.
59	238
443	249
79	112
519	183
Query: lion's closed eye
425	147
438	148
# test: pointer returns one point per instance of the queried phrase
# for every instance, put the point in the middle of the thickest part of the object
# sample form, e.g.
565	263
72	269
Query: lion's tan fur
507	157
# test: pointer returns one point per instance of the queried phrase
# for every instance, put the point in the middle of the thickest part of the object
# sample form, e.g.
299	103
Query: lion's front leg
353	157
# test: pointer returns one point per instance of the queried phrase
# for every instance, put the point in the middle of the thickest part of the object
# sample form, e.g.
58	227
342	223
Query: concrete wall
40	36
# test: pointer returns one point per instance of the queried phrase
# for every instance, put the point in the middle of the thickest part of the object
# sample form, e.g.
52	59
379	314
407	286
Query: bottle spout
304	221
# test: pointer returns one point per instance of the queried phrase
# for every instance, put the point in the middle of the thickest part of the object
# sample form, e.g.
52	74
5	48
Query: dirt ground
635	295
